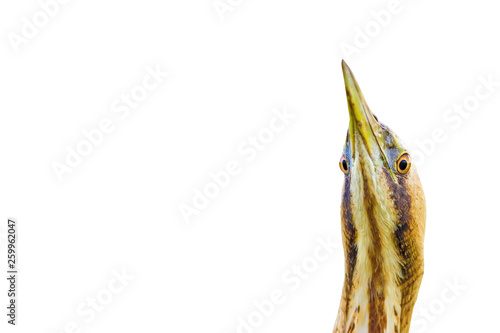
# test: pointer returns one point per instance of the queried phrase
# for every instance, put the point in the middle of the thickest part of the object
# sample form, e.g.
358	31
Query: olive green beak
363	126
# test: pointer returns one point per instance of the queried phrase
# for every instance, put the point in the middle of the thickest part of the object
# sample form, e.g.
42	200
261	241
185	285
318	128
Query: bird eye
343	165
403	164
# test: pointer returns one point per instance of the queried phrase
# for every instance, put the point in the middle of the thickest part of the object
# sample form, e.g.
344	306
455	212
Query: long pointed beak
363	124
359	112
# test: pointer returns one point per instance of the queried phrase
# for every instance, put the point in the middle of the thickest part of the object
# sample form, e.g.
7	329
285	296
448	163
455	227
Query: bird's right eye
343	165
403	164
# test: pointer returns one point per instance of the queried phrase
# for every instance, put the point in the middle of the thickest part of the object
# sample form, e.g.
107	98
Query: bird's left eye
343	165
403	164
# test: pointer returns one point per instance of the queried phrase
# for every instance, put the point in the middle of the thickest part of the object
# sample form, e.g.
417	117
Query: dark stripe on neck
350	248
406	251
377	317
402	204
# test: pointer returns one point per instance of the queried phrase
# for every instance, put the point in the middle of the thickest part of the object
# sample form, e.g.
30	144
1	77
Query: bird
383	213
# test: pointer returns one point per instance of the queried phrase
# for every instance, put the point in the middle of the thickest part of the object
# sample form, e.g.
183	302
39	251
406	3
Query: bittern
383	224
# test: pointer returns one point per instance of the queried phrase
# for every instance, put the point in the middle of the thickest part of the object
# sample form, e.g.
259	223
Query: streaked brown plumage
383	224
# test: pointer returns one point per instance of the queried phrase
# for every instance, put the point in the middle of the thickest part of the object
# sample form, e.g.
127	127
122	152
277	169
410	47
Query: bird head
375	156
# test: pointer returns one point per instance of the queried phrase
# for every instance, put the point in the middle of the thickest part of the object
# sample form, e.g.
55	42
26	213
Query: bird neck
383	227
371	298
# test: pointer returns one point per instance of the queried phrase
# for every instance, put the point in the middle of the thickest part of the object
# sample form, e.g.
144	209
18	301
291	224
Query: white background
119	209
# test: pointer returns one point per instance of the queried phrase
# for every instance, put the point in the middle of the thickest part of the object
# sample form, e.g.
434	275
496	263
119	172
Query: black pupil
403	164
344	165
